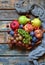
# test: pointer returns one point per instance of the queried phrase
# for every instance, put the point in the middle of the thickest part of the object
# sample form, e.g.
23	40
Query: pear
23	19
36	22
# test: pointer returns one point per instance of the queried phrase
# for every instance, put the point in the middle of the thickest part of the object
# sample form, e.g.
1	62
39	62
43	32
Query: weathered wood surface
7	8
7	12
7	4
10	4
14	60
4	50
8	15
14	56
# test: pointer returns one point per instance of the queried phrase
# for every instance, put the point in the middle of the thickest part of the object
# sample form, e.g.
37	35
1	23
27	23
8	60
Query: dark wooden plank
8	15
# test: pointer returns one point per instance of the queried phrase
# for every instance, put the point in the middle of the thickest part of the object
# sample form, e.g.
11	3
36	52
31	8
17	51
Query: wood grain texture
7	8
8	15
12	60
14	56
7	4
8	12
10	4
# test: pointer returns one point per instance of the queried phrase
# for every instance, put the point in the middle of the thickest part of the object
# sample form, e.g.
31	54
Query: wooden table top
7	14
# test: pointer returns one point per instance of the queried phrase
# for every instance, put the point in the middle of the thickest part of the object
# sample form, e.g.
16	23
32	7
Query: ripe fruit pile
25	33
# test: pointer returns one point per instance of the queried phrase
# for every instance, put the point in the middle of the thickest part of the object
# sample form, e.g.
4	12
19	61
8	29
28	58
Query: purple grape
11	33
21	26
34	39
32	33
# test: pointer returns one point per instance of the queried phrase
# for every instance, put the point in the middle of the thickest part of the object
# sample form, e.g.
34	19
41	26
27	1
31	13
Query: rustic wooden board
9	4
11	14
14	60
4	50
2	37
8	12
14	56
8	15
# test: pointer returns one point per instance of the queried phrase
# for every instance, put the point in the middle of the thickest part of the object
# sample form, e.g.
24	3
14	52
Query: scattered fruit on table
28	27
14	25
23	20
38	33
36	22
25	32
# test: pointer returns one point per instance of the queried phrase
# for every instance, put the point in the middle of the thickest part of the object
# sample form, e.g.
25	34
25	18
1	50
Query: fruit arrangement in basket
25	33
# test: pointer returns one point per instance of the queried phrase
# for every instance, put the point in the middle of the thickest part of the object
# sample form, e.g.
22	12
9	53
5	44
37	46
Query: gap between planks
16	55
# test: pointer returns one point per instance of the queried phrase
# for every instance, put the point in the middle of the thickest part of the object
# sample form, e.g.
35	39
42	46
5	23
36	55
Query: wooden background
7	14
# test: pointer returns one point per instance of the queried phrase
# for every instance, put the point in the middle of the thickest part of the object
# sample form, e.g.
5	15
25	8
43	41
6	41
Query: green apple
36	22
23	19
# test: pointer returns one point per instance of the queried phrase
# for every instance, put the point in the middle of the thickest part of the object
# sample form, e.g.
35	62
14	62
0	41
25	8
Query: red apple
28	27
14	25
